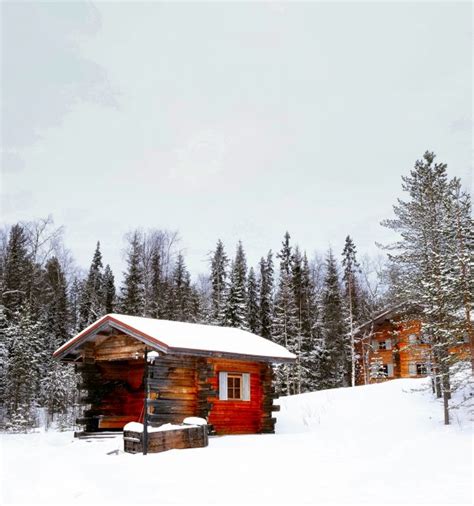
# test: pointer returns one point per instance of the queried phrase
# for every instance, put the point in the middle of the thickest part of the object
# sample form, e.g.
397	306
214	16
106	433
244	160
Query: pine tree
75	296
285	322
55	310
351	295
235	312
133	288
252	302
16	272
266	296
333	329
219	263
307	314
182	302
22	372
92	303
460	241
425	258
108	290
5	343
157	288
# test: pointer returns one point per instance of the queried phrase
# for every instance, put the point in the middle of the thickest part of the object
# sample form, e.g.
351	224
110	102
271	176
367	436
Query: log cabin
177	370
391	346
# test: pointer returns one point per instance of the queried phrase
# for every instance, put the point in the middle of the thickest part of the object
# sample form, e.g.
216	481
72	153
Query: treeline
306	305
310	305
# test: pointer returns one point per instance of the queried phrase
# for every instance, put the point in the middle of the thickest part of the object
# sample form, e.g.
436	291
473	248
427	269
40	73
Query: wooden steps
99	435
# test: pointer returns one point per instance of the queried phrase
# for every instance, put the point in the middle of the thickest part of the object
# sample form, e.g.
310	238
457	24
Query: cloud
43	72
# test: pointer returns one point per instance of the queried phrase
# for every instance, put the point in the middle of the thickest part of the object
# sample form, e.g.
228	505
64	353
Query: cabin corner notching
221	374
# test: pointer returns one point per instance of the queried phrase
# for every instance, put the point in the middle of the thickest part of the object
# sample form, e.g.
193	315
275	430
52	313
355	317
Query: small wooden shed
218	373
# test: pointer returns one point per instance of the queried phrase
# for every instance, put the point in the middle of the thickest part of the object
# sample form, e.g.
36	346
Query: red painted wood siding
237	417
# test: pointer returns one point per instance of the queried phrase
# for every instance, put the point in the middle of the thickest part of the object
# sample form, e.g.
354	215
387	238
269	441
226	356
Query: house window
234	386
382	345
412	339
387	370
421	370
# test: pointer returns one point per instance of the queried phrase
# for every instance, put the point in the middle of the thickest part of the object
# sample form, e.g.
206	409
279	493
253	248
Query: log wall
114	391
238	416
179	386
403	352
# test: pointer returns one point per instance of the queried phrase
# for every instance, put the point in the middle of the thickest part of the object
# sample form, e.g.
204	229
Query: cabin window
387	370
421	369
412	339
234	386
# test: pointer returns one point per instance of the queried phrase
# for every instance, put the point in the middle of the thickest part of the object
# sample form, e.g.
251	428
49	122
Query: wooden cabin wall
182	386
243	417
114	391
173	385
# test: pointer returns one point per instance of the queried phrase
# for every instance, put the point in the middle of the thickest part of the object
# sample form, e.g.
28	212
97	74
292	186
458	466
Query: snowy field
378	444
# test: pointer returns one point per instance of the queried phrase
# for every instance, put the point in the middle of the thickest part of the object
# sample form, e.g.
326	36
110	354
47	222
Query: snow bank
376	444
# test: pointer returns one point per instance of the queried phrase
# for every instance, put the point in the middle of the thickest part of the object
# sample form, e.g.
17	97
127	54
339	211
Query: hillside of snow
377	444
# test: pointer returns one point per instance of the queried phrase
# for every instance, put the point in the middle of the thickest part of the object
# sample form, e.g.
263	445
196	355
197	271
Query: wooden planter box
160	441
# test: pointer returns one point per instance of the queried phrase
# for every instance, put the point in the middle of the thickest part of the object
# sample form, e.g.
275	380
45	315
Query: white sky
230	120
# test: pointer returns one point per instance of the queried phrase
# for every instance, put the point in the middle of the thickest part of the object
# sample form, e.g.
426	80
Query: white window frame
412	339
245	386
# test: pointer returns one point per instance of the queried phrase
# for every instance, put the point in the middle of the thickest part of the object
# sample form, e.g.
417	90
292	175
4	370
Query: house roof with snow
387	314
179	337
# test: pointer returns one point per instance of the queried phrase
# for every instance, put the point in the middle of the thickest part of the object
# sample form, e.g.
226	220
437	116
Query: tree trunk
446	407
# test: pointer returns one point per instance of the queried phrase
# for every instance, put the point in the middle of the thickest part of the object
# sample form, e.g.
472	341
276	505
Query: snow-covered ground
378	444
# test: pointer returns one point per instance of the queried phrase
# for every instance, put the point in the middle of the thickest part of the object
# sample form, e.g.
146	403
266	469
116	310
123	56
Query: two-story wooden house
391	345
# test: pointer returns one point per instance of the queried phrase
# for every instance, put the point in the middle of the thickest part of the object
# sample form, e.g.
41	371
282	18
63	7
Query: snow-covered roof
171	336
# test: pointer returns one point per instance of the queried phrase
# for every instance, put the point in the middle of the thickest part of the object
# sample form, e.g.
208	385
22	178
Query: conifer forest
310	302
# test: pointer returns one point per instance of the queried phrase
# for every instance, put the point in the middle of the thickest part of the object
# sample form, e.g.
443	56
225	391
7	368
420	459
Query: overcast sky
230	120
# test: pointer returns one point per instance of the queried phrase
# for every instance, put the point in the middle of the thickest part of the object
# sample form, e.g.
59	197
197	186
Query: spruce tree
307	314
335	364
5	343
285	321
16	272
252	302
266	296
459	232
235	312
133	288
55	306
219	263
351	295
182	302
75	295
157	288
108	290
21	383
427	263
92	302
